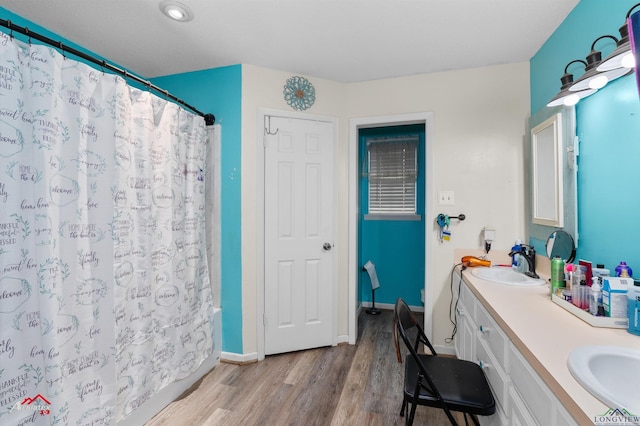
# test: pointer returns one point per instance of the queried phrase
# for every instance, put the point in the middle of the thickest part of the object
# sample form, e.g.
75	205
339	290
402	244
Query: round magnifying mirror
560	244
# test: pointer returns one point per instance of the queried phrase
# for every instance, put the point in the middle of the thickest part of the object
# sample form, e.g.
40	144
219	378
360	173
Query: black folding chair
438	381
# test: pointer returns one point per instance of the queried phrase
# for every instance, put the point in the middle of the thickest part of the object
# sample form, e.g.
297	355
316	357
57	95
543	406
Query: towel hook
268	130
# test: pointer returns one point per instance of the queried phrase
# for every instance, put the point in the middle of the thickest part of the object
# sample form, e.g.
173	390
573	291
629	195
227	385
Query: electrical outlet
445	198
489	234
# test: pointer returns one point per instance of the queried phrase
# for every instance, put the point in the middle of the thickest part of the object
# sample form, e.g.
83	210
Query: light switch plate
445	198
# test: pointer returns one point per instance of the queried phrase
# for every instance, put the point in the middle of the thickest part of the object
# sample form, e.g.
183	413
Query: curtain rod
209	118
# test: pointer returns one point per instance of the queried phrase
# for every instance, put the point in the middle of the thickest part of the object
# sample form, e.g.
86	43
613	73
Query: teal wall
395	247
217	91
608	127
572	40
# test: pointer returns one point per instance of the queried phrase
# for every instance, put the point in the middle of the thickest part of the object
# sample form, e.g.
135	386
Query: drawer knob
483	365
483	329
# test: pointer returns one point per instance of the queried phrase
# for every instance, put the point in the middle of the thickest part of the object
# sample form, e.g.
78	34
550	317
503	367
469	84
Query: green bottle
557	274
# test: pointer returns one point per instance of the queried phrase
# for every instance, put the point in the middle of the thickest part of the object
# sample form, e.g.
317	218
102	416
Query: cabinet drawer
458	342
465	307
519	415
564	418
495	373
535	394
467	336
499	418
468	302
489	332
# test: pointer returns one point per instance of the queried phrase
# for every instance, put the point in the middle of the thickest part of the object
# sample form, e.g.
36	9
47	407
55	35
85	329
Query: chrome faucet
529	254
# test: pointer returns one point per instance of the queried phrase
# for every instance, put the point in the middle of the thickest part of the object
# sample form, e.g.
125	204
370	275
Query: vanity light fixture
622	56
566	97
592	78
176	11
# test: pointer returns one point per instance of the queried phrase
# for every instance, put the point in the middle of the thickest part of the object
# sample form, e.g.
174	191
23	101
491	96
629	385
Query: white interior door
299	235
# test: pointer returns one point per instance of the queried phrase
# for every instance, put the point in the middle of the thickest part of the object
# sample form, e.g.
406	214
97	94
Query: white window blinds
393	170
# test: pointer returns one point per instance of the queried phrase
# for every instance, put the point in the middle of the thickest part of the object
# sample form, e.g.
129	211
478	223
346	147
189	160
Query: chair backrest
403	321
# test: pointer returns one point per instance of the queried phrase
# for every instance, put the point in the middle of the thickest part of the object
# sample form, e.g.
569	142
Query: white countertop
545	334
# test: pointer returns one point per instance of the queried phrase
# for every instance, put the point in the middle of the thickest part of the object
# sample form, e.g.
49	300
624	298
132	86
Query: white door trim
355	124
260	226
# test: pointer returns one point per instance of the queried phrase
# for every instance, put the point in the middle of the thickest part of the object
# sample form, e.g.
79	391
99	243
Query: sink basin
505	275
610	373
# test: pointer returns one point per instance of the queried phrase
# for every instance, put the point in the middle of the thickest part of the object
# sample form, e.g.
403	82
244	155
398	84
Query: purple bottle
622	270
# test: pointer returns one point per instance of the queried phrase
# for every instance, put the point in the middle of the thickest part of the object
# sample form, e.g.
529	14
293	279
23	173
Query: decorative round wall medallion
299	93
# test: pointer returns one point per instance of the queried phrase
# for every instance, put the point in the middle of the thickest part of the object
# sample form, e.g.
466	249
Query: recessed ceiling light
176	11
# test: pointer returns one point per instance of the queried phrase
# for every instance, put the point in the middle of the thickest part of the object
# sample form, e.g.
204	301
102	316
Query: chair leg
412	415
414	401
404	407
475	419
450	416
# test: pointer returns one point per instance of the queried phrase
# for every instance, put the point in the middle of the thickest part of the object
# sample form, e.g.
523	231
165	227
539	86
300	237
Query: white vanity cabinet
464	340
478	339
534	393
519	414
491	355
522	396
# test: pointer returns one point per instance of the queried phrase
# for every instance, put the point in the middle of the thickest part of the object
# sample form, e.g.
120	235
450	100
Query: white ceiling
340	40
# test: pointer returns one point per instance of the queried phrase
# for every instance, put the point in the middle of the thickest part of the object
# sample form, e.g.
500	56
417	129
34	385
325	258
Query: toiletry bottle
595	297
575	286
633	308
557	274
623	270
600	271
568	267
521	264
515	249
584	289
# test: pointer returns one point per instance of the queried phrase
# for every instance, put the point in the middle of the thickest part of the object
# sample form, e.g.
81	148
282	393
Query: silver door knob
326	246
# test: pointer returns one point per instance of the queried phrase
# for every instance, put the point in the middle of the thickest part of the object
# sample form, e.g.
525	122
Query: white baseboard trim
342	339
390	306
235	358
444	349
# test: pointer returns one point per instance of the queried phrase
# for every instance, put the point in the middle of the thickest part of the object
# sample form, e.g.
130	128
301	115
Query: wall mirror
547	172
560	244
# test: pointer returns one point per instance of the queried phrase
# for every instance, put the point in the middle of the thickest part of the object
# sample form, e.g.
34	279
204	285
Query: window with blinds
393	171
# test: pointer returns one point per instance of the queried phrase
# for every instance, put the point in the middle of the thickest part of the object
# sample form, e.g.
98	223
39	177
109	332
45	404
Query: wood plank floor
342	385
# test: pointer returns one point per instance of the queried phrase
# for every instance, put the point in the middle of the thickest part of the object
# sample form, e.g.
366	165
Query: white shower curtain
104	288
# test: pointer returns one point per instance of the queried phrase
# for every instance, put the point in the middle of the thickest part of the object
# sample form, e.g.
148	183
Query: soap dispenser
595	298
